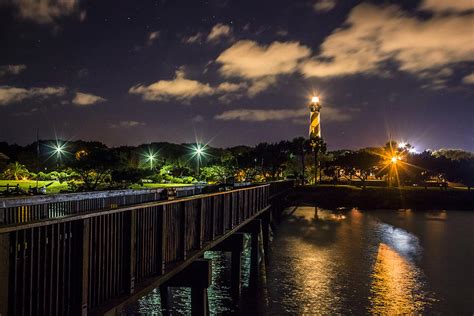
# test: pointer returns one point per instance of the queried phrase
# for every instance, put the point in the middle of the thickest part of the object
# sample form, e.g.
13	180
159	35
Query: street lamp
59	149
402	145
198	151
150	158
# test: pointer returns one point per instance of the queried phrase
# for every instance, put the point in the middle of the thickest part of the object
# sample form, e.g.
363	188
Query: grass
57	187
159	185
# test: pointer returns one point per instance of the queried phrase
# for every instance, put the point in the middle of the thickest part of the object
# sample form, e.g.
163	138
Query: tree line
92	165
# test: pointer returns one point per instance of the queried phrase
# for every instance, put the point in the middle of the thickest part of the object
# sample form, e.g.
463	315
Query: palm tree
299	146
319	147
15	170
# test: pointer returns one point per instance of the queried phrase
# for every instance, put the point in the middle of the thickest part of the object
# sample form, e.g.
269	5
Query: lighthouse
315	118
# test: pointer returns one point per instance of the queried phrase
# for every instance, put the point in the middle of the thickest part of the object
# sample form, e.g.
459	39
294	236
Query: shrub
189	180
157	178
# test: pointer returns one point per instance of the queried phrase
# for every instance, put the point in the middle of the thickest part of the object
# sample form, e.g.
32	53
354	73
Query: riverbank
335	196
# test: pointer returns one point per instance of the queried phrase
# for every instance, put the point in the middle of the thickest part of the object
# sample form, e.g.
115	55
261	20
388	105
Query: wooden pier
95	260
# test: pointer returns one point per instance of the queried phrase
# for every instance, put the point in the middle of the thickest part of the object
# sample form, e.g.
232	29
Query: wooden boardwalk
93	261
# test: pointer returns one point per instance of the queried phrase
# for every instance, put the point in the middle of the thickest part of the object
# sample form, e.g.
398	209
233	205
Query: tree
319	147
299	147
95	167
453	154
216	173
15	171
359	164
125	177
462	171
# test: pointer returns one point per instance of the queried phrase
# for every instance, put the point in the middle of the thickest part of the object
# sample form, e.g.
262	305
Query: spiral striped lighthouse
315	118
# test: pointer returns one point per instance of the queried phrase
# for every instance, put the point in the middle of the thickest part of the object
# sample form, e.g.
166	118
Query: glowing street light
198	152
58	149
150	158
394	160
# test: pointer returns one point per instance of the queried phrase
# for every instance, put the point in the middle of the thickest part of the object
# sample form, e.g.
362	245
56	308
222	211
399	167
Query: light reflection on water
397	287
329	262
351	262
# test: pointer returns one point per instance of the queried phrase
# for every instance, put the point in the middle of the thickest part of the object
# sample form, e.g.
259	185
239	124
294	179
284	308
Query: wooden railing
32	208
78	262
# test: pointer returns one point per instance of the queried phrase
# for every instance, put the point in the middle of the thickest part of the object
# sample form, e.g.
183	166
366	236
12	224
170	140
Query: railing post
4	272
84	279
131	248
200	220
183	228
161	242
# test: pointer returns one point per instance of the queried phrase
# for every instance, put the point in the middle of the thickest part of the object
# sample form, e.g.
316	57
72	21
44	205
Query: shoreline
383	198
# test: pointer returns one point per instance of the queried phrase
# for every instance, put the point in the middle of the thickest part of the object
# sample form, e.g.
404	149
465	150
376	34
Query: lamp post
198	152
59	150
151	157
315	130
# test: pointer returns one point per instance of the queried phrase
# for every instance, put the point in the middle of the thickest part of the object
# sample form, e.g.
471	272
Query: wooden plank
4	272
85	236
132	250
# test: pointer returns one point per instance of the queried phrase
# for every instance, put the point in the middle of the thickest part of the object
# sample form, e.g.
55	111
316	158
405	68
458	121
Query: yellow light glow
315	99
394	159
395	288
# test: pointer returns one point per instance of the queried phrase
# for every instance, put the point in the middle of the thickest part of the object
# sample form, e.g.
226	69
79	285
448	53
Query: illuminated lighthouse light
315	117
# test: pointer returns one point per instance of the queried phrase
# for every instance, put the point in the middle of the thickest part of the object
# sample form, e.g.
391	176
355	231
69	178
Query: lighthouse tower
315	118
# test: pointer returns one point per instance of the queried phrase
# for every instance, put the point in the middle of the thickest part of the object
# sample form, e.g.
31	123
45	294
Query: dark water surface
351	262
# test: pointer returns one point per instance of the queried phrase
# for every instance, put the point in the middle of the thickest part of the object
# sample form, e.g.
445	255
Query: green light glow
150	157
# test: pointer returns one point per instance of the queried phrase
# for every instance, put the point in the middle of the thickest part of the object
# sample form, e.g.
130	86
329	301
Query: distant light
412	150
394	159
81	153
315	99
198	150
58	149
402	145
150	157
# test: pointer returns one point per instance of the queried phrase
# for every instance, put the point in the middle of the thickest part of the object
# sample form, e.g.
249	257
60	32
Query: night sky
238	72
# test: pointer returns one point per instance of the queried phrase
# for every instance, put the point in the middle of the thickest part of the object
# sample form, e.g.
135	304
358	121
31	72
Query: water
353	262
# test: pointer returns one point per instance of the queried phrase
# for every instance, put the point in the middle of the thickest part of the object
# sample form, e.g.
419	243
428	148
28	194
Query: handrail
78	216
14	211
